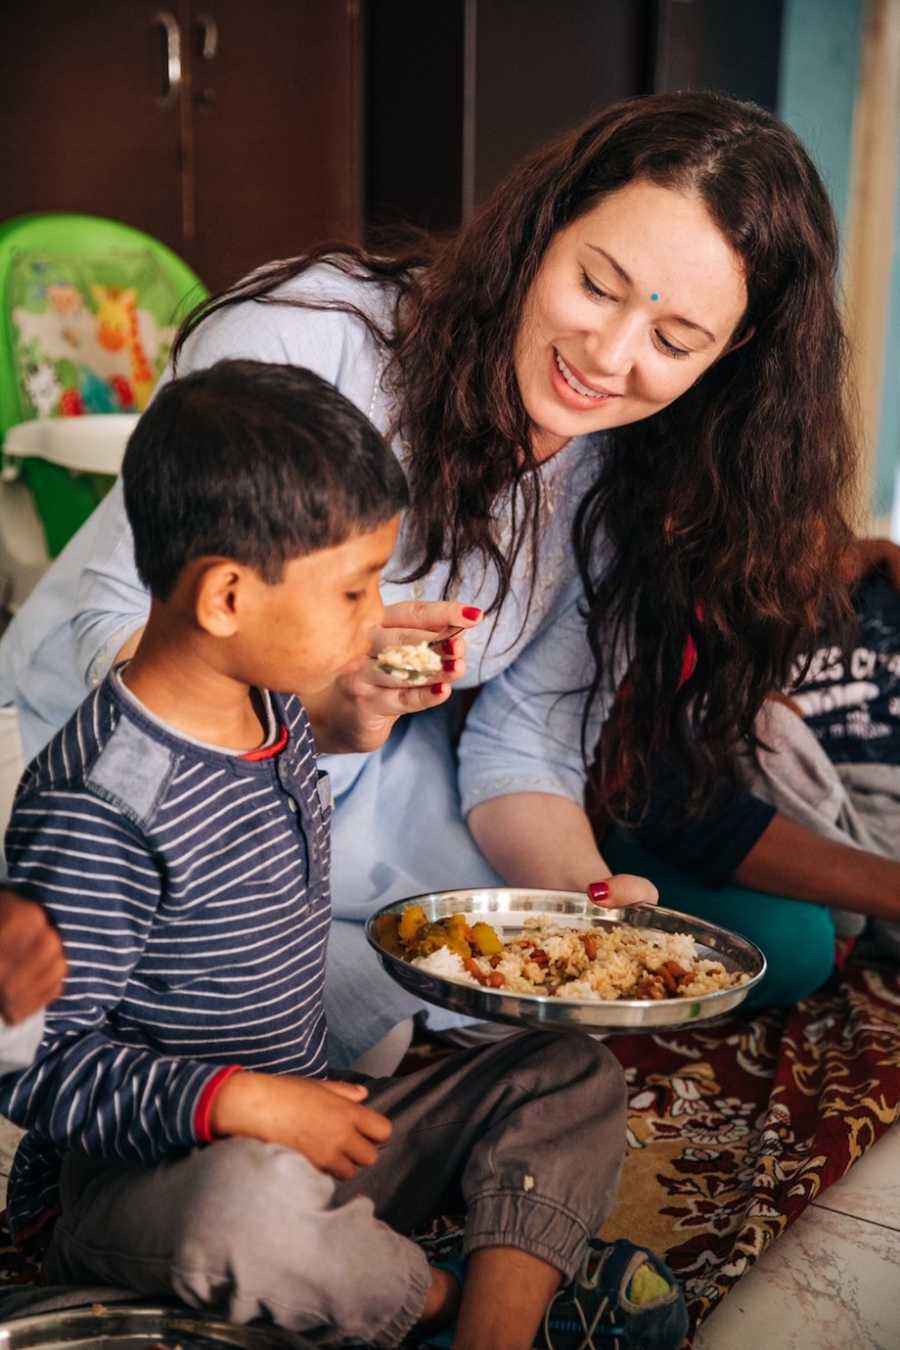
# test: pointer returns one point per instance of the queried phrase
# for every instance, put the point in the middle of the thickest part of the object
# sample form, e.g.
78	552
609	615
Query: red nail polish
448	663
470	612
448	647
598	890
437	688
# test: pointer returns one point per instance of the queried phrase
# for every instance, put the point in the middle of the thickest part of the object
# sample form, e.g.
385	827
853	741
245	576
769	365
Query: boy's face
316	623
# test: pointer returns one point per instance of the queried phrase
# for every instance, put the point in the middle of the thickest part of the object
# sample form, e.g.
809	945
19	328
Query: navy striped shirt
190	888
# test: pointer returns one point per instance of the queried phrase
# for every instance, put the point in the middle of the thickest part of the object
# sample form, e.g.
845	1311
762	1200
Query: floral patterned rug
735	1129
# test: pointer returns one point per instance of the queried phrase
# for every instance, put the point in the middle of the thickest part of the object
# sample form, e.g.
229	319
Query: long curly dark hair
726	511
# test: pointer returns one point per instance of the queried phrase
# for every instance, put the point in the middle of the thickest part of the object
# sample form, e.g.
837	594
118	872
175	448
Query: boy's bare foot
621	1293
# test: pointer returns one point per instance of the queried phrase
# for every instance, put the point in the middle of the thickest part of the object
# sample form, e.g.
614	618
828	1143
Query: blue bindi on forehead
654	295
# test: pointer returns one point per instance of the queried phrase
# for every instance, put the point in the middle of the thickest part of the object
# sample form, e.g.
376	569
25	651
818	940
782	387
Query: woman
634	346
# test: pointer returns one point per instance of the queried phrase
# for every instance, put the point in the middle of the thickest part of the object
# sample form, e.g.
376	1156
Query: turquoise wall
819	74
819	71
888	483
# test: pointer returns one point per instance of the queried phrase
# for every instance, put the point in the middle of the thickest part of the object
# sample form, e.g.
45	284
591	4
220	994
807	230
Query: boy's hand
324	1121
367	703
32	964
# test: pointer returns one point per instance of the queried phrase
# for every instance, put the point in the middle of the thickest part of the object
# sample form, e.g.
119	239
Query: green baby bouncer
88	312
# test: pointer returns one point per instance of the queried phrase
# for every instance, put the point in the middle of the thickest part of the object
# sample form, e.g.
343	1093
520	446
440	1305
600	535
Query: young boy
182	1128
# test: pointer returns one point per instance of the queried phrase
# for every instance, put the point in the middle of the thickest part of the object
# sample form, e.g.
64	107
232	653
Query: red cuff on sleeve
203	1113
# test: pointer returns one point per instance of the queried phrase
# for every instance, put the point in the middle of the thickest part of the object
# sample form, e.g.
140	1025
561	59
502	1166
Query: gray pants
531	1129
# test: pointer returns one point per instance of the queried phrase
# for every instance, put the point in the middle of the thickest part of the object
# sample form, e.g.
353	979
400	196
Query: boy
830	753
178	832
823	822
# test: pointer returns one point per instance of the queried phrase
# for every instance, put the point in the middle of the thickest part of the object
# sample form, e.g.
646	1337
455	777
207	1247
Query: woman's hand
622	889
536	840
360	710
325	1121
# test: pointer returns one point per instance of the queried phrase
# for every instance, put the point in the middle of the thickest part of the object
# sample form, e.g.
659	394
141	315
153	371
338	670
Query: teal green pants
796	938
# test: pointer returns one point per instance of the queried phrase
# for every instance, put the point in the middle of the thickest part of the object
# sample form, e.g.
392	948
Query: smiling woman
618	398
592	351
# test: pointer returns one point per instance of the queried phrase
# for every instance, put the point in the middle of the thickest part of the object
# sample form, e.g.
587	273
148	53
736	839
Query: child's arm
790	859
32	969
95	877
323	1120
32	964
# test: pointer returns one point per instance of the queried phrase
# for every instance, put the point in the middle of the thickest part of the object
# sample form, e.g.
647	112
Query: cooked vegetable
411	920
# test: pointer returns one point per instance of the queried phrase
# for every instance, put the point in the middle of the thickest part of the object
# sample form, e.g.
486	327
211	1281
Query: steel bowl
138	1328
508	907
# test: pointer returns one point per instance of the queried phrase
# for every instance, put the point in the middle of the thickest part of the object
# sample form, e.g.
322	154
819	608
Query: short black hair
254	461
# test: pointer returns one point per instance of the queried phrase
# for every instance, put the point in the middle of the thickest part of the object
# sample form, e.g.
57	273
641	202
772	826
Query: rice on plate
557	960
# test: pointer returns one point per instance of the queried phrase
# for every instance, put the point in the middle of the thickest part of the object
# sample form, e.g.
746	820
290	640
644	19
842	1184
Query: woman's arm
522	774
535	839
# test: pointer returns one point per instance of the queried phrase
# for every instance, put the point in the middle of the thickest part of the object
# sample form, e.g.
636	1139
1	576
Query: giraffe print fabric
88	337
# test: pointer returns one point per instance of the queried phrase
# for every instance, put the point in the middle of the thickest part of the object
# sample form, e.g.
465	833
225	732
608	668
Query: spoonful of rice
414	662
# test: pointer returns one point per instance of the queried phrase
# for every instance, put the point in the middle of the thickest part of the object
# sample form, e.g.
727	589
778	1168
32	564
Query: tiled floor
831	1283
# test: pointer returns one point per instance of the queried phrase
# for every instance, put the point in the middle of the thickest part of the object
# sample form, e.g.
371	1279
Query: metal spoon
445	637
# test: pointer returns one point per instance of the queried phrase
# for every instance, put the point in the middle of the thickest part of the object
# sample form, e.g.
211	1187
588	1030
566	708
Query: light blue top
399	824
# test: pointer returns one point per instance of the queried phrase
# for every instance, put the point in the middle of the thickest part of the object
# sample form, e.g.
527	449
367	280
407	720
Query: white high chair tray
94	443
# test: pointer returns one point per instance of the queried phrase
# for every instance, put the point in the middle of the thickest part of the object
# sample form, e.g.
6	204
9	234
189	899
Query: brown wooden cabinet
277	135
459	90
82	126
230	130
285	122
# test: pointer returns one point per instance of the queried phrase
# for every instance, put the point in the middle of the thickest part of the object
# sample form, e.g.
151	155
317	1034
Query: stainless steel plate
507	907
130	1328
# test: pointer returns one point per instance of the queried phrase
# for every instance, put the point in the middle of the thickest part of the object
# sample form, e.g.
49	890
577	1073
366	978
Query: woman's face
632	303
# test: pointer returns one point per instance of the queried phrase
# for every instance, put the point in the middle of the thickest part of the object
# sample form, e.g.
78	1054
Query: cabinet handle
209	37
172	87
